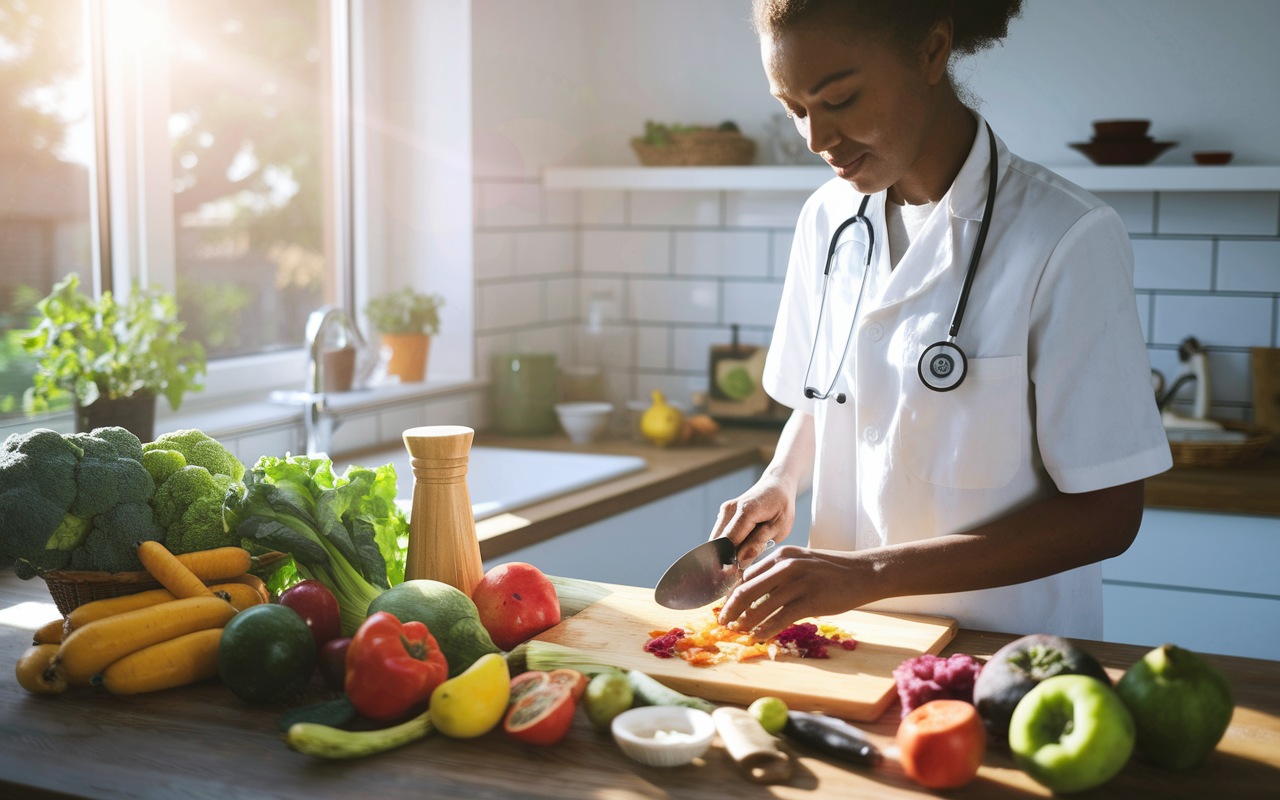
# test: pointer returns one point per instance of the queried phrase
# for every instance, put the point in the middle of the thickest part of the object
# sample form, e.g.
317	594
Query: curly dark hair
976	24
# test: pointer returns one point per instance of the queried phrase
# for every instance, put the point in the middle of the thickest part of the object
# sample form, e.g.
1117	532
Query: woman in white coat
992	501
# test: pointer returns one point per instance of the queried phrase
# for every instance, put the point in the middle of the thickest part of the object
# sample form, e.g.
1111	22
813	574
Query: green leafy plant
659	134
104	348
405	312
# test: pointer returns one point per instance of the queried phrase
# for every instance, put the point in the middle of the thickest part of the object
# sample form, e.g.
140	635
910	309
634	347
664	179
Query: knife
704	574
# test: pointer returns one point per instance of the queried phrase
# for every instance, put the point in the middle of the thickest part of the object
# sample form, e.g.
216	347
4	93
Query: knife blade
705	573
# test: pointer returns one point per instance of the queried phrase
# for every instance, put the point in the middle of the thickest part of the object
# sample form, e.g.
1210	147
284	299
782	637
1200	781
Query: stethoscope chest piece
942	366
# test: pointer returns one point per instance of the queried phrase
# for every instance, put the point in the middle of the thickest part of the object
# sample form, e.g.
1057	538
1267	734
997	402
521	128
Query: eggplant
832	736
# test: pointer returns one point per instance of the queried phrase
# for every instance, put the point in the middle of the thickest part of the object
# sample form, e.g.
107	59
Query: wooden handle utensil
751	747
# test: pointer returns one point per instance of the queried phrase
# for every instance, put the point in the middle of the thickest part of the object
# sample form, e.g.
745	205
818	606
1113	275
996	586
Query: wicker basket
704	148
71	589
1223	454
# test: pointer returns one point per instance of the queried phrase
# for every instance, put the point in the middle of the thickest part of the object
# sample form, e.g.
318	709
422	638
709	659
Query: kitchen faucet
318	417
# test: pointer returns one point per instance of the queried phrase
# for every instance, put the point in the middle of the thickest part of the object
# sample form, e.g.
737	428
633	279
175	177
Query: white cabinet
1207	582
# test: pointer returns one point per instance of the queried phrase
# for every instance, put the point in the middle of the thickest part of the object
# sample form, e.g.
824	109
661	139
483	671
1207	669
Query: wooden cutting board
856	685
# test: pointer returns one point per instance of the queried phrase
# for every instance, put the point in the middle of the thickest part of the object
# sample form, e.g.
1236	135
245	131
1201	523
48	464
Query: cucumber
327	712
649	692
322	741
835	737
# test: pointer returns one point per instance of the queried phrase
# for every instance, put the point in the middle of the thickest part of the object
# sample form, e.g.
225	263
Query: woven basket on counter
1223	454
72	588
704	148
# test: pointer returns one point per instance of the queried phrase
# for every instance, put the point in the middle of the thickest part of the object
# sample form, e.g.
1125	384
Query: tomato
542	716
942	743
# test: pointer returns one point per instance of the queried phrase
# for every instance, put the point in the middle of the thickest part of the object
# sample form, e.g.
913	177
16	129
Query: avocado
1019	667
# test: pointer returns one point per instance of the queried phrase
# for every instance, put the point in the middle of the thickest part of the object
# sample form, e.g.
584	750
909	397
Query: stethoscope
943	365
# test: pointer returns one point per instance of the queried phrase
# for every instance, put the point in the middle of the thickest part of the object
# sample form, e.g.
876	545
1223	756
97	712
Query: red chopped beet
929	677
849	644
664	646
804	637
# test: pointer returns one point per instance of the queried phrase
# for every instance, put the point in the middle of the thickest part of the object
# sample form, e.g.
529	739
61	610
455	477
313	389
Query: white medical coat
1057	398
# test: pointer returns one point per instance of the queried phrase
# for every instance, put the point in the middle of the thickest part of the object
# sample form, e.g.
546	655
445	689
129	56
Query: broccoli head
107	475
189	506
162	463
37	487
201	451
112	545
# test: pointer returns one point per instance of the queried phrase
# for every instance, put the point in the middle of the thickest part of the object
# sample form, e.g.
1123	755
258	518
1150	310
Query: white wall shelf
806	179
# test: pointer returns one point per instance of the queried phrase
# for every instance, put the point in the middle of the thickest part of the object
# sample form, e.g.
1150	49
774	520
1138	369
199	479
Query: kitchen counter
200	741
1252	488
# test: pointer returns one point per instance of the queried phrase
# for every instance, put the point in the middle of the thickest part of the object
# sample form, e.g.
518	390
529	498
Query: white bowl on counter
663	736
584	422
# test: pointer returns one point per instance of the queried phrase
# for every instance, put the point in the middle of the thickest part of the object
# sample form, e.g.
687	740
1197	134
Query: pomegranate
542	716
516	602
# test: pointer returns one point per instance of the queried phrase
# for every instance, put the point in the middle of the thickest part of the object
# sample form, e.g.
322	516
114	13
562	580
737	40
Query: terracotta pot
408	355
135	413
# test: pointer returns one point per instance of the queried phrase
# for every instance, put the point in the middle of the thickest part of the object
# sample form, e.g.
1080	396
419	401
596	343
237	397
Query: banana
323	741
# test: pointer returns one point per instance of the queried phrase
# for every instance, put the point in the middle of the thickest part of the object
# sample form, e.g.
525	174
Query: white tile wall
633	252
561	207
1219	213
764	209
545	340
510	204
495	255
781	253
675	209
728	253
653	348
603	207
752	302
1135	208
1230	381
692	346
1173	264
674	300
487	346
1221	321
506	305
1249	266
545	252
1144	315
561	299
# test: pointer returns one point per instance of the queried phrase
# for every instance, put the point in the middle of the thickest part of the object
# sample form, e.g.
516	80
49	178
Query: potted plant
114	358
406	321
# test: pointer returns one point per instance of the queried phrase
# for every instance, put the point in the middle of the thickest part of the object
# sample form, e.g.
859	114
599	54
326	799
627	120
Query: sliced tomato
542	716
527	682
571	678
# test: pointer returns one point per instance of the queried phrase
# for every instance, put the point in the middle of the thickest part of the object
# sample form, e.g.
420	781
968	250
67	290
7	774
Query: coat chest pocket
971	437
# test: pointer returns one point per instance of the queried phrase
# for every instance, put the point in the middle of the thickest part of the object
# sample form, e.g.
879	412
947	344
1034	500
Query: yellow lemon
661	423
472	703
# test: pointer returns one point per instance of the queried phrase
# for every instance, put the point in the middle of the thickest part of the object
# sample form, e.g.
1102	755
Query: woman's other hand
796	582
763	513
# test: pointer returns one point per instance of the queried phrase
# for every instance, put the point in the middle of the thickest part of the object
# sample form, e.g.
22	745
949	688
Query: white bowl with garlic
663	736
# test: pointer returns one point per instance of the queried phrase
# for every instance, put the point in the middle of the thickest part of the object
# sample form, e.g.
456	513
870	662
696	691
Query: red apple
318	608
333	662
516	602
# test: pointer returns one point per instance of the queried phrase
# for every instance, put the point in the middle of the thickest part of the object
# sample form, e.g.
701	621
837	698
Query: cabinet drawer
1200	621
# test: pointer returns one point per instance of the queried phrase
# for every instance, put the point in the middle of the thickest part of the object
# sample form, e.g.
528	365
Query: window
46	152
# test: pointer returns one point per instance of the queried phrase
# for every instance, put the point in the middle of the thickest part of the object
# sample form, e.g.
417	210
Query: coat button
874	331
871	433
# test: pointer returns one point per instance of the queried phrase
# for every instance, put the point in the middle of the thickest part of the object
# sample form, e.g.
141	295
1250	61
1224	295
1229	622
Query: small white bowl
633	731
584	421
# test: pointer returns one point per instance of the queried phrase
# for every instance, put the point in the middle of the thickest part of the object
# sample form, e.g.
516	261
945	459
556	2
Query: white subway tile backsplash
456	411
509	305
544	252
1249	266
561	207
692	346
545	340
494	255
752	302
489	346
1135	208
504	205
1214	320
1172	263
676	388
735	253
675	209
674	301
609	294
653	348
603	207
638	252
781	253
1219	213
561	299
764	209
1230	378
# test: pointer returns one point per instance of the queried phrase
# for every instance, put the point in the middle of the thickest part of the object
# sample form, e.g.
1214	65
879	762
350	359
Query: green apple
1181	705
1071	733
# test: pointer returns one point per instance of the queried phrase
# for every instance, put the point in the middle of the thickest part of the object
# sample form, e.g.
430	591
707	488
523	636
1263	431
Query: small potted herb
113	357
406	321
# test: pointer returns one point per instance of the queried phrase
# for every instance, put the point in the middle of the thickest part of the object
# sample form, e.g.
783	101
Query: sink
501	479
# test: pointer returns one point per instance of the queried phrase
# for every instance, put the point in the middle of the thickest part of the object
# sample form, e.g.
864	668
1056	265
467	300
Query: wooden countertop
201	741
1252	488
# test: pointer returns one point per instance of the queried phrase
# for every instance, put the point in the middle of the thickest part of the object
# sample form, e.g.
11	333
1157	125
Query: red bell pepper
391	667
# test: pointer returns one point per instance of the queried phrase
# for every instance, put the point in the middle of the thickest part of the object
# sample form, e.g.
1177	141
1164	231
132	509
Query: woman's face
862	103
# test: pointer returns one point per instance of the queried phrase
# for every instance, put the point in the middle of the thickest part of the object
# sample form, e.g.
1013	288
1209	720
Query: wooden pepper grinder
442	530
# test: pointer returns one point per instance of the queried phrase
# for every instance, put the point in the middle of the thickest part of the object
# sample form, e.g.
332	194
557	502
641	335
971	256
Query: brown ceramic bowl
1212	157
1120	128
1115	152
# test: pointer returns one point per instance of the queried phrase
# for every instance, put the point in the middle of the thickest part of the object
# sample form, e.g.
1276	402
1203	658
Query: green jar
524	393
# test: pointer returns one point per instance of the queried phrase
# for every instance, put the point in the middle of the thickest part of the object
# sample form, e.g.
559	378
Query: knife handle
751	747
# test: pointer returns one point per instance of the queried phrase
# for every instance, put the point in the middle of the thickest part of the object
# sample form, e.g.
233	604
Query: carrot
101	609
219	564
172	573
185	659
35	673
253	582
49	633
239	595
98	645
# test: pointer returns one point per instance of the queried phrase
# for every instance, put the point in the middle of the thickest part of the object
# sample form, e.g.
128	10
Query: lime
608	695
266	654
737	384
770	712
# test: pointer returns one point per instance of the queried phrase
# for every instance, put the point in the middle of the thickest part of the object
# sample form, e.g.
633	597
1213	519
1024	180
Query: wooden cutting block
1266	390
857	685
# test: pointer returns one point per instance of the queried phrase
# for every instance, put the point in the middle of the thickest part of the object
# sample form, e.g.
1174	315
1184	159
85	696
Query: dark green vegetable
832	736
648	692
193	474
333	713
